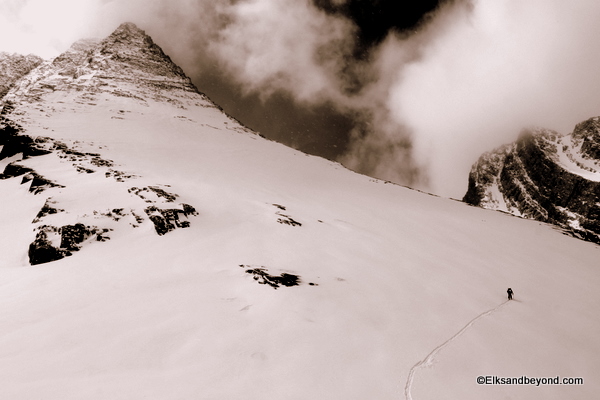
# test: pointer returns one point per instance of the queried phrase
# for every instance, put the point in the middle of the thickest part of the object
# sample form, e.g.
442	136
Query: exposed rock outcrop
13	67
53	243
544	176
167	220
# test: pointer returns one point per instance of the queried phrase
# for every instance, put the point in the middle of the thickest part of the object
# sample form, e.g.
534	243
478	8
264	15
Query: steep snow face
296	278
544	176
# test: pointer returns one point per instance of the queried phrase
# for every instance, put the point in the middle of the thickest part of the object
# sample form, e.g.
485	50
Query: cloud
423	105
284	45
42	27
292	46
491	70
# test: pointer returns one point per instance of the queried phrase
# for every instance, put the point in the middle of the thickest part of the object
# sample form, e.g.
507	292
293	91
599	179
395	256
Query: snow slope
402	293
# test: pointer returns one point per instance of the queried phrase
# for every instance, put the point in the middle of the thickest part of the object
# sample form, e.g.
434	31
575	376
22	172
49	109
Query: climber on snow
510	293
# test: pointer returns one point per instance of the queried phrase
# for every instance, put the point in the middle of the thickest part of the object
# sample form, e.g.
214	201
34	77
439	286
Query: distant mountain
544	176
13	67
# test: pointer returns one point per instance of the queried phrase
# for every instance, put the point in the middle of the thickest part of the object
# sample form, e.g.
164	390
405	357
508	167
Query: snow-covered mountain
194	259
544	176
127	64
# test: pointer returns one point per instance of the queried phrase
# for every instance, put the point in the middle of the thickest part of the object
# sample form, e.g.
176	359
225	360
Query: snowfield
402	294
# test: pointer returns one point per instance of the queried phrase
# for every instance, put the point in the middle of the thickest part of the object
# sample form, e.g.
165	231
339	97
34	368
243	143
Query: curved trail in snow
429	358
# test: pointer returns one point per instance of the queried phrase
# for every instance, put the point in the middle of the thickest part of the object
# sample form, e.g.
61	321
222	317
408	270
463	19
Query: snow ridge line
429	358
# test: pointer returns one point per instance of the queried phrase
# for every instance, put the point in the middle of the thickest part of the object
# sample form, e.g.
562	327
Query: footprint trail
429	358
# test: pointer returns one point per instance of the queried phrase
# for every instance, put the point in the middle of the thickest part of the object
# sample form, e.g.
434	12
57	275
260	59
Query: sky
412	92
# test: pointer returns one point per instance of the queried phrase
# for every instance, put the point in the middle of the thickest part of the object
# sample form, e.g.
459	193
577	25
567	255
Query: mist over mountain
154	247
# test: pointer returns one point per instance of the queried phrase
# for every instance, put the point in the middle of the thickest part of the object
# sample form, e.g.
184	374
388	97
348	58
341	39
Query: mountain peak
588	133
129	28
130	48
128	57
128	34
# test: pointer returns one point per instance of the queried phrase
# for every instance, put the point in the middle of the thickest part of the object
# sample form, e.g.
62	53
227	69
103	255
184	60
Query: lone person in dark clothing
510	293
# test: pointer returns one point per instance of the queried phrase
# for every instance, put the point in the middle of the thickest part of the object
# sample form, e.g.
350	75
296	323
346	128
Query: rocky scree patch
284	218
261	275
53	242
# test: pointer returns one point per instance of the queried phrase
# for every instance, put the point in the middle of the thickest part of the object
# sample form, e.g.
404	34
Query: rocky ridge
544	176
127	63
13	67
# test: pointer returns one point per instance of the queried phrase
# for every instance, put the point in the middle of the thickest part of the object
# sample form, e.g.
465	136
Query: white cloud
283	45
504	65
43	27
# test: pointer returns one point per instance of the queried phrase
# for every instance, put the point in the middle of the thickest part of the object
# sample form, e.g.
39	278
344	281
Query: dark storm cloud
375	19
373	22
328	54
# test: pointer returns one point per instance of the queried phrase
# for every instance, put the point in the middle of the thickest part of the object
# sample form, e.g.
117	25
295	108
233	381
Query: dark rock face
13	67
68	62
13	142
71	236
131	49
484	173
262	276
588	133
13	169
47	209
167	220
544	176
39	183
42	251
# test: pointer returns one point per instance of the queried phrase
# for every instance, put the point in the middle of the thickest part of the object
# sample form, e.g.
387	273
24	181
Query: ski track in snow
429	358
